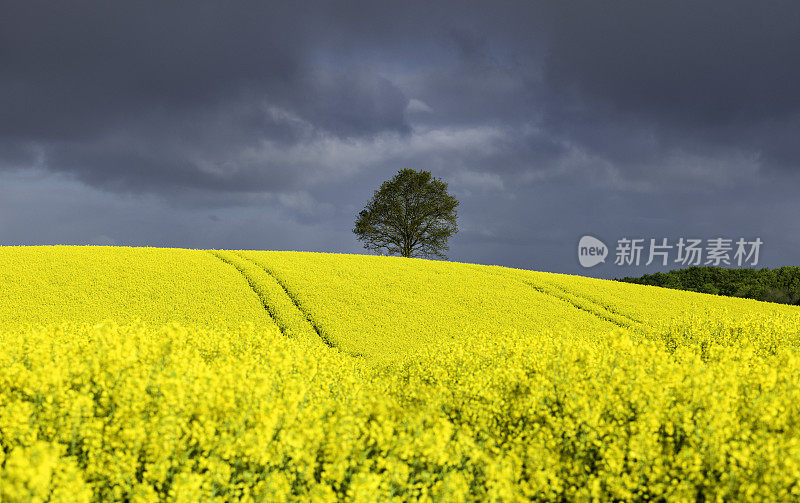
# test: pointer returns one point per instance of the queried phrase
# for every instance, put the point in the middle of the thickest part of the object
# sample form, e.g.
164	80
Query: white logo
718	252
591	251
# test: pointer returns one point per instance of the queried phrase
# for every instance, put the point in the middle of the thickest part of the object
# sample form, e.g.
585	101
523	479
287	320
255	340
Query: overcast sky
268	125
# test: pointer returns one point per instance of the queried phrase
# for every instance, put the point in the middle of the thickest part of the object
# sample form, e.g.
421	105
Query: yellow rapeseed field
42	285
138	374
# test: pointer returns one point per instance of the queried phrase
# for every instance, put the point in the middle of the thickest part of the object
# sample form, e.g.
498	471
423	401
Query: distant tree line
780	285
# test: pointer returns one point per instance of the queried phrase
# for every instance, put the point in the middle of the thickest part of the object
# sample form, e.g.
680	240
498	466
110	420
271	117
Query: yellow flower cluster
461	383
110	412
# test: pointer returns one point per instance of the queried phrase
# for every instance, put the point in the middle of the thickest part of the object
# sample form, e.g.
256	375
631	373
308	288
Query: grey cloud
700	75
353	103
175	83
703	63
549	119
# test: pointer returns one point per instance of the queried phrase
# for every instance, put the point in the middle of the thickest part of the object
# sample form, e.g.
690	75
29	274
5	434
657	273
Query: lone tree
412	214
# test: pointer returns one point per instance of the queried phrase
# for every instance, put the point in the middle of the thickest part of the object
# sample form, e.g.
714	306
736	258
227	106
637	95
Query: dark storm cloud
76	78
90	66
86	67
625	83
549	119
695	63
701	75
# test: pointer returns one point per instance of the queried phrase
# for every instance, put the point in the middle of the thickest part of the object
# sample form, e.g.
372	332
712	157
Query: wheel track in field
293	298
586	305
617	312
293	319
578	302
217	254
281	305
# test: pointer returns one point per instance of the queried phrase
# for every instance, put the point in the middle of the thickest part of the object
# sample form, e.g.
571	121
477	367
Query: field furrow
595	301
385	307
577	301
273	297
585	304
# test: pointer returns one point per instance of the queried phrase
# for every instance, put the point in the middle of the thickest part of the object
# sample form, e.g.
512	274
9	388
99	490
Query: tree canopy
772	285
411	215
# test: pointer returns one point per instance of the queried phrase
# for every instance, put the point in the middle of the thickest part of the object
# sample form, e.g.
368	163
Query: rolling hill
147	374
366	305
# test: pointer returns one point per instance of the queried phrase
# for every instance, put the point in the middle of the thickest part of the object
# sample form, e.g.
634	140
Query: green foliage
411	215
780	285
